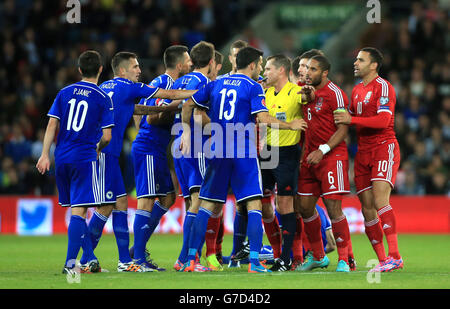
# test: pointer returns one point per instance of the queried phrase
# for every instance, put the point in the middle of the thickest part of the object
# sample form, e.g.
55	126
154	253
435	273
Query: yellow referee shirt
285	106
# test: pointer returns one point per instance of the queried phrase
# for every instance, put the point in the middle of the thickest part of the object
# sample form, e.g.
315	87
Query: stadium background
40	49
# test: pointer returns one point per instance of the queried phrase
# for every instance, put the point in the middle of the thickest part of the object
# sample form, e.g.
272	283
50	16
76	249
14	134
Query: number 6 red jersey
319	117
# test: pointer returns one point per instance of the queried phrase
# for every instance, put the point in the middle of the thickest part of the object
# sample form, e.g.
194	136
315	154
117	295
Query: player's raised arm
295	125
140	109
379	121
307	93
173	94
43	163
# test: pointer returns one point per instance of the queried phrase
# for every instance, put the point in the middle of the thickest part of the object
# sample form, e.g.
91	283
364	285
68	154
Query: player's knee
105	210
145	203
121	203
267	211
168	200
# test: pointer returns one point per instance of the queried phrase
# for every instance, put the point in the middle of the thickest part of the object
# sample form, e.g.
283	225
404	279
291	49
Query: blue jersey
153	138
192	81
83	110
232	103
123	93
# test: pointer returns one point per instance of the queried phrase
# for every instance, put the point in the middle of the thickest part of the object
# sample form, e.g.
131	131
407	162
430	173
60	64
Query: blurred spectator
39	52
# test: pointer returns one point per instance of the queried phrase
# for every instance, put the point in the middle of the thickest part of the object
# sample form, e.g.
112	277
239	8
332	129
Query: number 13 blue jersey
234	100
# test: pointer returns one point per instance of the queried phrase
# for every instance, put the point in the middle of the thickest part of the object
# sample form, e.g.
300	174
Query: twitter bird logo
33	217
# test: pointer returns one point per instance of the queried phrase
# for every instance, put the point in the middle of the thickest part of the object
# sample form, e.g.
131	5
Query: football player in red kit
324	166
378	157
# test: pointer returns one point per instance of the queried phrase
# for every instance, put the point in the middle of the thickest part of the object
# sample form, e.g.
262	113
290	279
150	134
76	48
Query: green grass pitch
36	263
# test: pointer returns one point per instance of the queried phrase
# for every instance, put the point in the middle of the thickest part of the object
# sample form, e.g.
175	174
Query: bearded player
378	157
324	166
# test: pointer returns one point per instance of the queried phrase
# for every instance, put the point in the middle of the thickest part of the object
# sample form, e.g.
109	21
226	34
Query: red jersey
378	96
319	117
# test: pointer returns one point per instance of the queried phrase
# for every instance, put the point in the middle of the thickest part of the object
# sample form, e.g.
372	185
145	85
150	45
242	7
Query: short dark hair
246	56
89	63
295	65
173	55
238	44
280	60
375	56
218	57
311	53
324	63
201	54
119	58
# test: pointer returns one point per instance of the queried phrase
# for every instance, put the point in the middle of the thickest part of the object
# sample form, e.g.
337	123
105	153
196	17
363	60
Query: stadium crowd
34	65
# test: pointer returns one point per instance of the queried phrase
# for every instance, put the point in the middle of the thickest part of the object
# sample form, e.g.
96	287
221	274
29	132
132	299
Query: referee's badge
281	116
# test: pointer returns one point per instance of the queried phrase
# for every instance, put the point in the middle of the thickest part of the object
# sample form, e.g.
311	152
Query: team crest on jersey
109	195
263	102
384	100
319	104
367	98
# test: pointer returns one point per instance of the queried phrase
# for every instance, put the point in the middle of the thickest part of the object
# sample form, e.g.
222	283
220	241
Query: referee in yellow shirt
283	102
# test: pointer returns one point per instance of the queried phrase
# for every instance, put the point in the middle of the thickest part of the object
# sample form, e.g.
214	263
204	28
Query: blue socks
141	234
198	231
157	212
240	232
188	220
146	225
255	234
95	228
120	227
76	232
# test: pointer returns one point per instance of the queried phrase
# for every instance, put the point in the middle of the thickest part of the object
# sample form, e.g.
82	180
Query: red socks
212	231
313	232
297	245
273	233
219	239
375	235
388	225
341	234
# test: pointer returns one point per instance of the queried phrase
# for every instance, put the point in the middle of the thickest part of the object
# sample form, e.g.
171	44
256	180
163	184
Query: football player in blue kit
154	186
123	90
190	168
235	102
81	112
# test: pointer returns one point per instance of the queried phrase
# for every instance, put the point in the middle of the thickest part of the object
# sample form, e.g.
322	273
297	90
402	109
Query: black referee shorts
285	175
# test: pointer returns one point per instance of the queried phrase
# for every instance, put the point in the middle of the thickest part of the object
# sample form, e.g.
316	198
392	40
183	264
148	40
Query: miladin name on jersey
83	92
232	82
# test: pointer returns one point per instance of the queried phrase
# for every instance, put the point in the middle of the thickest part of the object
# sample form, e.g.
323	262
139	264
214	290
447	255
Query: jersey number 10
73	122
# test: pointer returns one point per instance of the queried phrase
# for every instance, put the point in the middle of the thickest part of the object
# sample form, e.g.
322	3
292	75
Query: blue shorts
152	175
78	184
110	178
190	173
243	175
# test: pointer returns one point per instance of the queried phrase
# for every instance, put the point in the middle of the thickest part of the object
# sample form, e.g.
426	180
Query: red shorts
379	164
328	179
